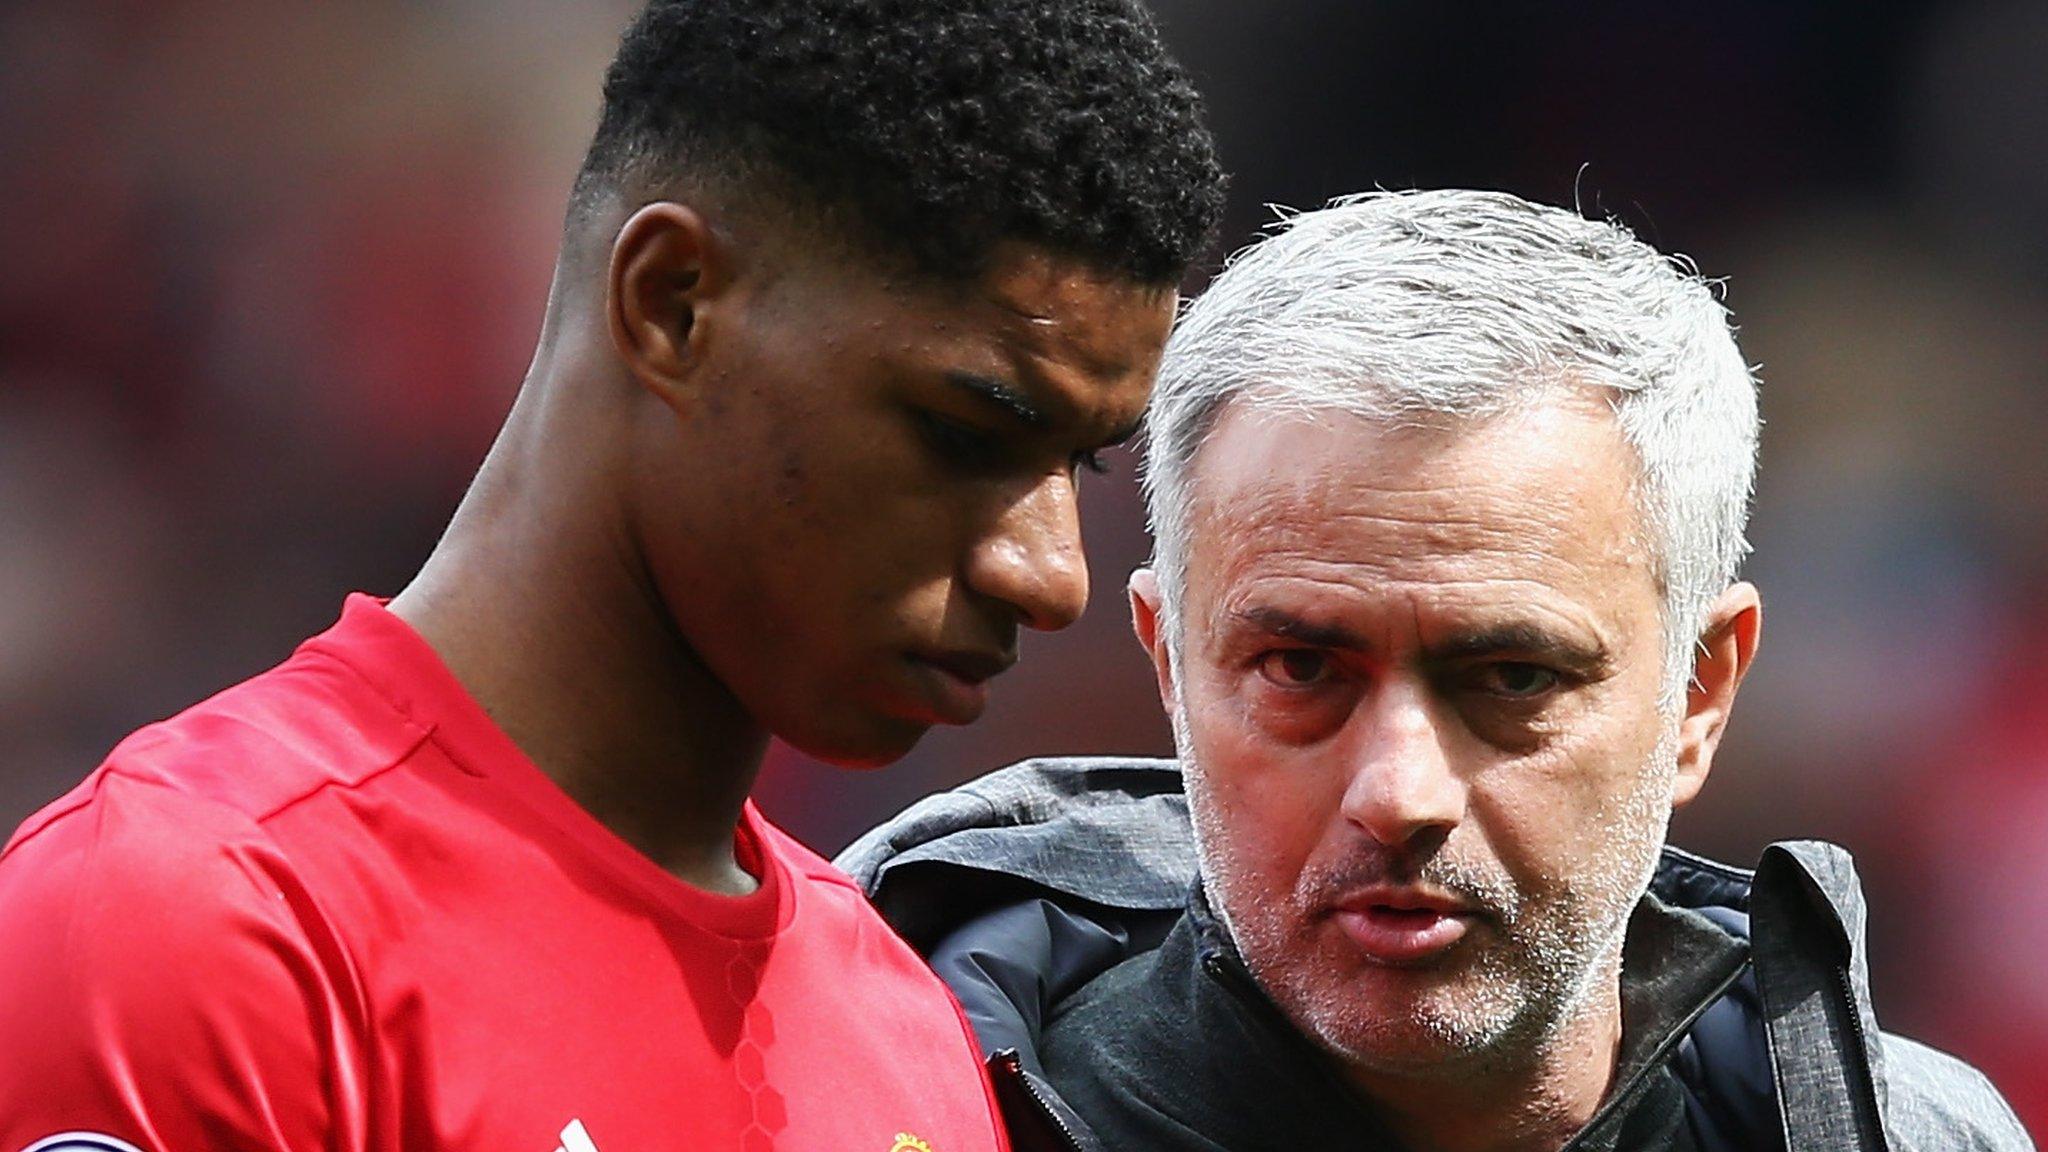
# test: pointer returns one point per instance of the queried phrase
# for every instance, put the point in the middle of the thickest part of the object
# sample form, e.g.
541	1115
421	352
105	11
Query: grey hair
1395	306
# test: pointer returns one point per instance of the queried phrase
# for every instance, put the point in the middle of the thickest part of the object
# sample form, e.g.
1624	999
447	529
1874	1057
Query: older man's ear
1727	645
1151	632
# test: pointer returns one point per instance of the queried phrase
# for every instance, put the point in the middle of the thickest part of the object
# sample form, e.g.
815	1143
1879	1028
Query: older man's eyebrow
994	393
1288	626
1523	639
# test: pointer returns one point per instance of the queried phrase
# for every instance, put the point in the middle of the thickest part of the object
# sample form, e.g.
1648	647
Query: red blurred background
269	274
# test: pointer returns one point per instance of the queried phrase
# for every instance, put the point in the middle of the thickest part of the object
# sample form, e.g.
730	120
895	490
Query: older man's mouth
1402	927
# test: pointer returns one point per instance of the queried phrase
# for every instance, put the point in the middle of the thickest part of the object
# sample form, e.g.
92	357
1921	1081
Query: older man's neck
1533	1101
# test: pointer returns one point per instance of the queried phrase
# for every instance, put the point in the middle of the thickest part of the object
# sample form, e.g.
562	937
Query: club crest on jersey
81	1142
905	1142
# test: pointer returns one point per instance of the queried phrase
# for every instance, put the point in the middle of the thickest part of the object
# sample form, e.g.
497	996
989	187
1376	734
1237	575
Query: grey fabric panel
1809	916
919	826
1112	831
1939	1102
1835	880
1804	951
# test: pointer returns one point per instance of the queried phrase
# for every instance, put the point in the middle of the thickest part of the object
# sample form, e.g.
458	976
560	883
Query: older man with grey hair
1448	491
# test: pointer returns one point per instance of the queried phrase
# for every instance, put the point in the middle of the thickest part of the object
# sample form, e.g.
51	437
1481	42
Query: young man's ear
666	262
1726	646
1150	629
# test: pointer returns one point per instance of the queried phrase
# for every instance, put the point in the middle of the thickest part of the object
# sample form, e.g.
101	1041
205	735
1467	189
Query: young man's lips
970	666
958	681
1402	929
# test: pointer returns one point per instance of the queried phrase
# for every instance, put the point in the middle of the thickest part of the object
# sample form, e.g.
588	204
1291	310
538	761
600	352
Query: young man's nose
1031	557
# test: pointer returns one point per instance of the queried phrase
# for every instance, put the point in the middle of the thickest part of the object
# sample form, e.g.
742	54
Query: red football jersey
335	908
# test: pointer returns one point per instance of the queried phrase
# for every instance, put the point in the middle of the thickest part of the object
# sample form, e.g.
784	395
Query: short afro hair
933	128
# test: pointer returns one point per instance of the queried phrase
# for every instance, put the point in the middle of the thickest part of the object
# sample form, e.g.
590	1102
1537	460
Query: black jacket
1060	889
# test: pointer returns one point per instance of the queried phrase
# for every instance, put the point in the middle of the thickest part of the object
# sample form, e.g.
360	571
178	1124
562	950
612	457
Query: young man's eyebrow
1526	639
997	393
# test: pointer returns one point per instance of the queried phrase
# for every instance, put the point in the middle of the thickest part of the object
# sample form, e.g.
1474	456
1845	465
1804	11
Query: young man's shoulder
836	914
814	872
138	851
162	948
169	954
255	748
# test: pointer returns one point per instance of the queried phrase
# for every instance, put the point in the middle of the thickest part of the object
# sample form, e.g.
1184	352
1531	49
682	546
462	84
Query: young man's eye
959	444
1295	667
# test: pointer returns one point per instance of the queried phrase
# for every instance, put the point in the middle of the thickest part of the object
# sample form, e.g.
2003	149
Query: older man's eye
1295	667
1519	681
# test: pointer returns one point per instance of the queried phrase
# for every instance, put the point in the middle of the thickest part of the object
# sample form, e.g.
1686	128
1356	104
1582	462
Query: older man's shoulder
1935	1101
1113	1041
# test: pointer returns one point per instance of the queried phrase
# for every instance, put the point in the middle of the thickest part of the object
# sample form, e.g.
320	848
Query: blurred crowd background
270	273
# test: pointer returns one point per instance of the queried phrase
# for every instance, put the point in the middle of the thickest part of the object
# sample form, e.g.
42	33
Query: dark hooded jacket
1059	900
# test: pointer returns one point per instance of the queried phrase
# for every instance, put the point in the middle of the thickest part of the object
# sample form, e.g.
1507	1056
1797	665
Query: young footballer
849	293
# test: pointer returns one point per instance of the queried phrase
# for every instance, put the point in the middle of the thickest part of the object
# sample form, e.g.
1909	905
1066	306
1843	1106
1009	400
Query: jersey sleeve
164	983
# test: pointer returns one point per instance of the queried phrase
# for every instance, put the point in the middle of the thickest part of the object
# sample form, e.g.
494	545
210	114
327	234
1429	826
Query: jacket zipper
1869	1124
1013	1066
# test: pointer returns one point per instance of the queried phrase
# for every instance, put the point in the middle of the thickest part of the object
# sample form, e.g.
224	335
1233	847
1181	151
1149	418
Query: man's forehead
1276	454
1542	495
1101	324
1083	346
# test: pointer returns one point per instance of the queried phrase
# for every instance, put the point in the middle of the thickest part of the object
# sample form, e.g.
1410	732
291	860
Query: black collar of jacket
1180	1048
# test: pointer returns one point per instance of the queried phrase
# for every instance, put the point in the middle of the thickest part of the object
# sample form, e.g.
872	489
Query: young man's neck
1535	1102
538	601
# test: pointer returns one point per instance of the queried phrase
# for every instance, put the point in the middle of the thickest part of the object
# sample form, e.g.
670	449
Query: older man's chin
1407	1021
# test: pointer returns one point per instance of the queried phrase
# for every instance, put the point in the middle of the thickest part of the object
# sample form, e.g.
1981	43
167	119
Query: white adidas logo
575	1139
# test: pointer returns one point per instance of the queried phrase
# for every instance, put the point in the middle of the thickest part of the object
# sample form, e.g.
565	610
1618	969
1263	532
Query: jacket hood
1112	833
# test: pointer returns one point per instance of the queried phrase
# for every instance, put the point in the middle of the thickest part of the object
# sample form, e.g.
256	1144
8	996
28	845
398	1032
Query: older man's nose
1403	783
